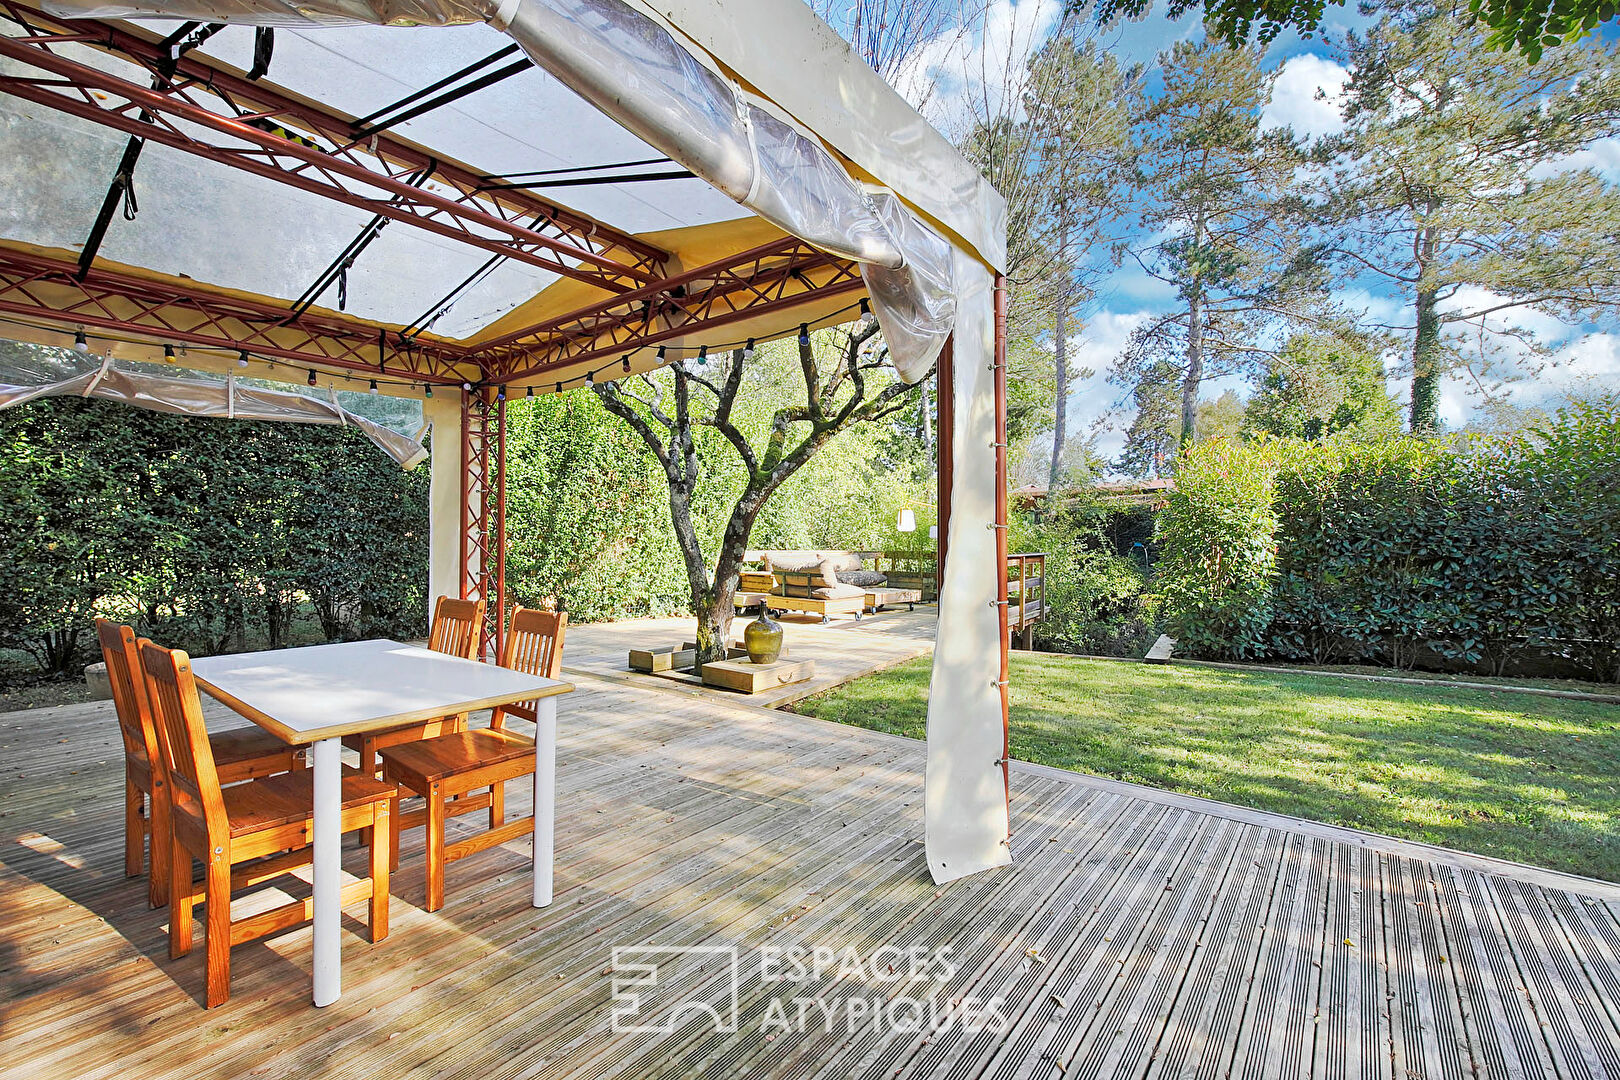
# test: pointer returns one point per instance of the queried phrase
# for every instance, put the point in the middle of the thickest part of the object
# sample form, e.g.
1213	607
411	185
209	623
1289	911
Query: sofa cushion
784	561
866	579
837	592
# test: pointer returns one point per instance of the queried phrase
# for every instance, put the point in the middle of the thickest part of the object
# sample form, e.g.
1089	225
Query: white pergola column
443	412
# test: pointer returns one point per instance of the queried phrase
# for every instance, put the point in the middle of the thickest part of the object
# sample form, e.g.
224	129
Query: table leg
327	757
545	795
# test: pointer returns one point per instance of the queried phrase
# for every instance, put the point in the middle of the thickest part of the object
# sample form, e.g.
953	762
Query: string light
663	351
242	359
80	342
427	389
624	362
748	350
311	379
703	356
804	334
500	393
866	314
372	388
168	354
558	388
530	393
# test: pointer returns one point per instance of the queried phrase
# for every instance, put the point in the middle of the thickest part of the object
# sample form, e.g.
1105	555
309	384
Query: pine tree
1450	186
1219	202
1323	383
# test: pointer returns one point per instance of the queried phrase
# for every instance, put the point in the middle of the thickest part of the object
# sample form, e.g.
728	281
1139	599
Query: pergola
518	197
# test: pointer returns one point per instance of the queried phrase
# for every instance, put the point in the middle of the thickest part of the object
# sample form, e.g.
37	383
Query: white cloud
977	71
1602	157
1307	96
1104	337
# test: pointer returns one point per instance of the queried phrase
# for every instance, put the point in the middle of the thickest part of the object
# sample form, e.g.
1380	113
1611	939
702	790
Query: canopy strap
264	47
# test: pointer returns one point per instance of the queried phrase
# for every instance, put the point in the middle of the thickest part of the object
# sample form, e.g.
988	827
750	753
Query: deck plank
1137	934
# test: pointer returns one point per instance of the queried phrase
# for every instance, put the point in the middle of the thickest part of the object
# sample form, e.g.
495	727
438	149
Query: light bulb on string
80	342
804	335
372	388
427	390
530	393
748	350
867	318
663	352
311	379
168	354
242	358
624	362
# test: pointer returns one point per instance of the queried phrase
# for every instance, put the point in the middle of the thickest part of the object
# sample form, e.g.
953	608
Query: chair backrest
123	661
457	627
188	758
534	644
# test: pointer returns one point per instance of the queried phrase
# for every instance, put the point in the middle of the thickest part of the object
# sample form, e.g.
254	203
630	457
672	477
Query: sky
953	78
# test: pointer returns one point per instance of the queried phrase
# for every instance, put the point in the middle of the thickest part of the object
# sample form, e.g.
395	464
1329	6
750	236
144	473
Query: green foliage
1482	553
1096	599
1431	124
209	535
1526	25
1323	384
1218	550
587	515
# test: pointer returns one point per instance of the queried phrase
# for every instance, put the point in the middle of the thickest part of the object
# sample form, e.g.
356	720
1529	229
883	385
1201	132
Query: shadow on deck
1137	933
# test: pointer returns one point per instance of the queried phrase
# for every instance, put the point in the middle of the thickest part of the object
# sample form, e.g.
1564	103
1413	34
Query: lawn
1517	776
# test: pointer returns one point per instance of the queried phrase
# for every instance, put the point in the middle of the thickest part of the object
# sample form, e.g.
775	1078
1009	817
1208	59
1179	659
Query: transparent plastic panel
287	12
35	372
916	304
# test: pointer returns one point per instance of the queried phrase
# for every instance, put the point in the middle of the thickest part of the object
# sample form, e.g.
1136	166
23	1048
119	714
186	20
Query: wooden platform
1137	934
842	651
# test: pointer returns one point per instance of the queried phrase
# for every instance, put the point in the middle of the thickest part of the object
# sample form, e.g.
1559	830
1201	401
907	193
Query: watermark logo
658	988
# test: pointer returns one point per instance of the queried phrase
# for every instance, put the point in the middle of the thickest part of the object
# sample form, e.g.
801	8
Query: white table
321	693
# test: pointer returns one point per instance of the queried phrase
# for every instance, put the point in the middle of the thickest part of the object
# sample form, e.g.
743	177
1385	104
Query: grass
1516	776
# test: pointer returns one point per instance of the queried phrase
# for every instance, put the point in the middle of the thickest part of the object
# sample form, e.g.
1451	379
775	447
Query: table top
351	687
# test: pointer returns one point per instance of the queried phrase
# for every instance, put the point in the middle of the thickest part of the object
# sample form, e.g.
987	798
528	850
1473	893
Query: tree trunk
1426	366
1194	374
1060	422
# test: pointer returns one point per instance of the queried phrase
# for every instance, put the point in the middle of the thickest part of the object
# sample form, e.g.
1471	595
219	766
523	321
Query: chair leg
180	901
435	849
384	835
157	888
217	947
393	832
368	767
497	804
134	829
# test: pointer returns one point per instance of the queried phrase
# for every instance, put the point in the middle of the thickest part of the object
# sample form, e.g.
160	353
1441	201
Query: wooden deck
1138	933
843	650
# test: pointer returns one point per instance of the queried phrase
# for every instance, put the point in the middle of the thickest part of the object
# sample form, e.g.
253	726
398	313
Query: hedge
1480	553
207	535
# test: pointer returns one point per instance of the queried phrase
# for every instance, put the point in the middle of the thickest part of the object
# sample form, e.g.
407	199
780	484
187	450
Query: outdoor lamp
907	522
80	342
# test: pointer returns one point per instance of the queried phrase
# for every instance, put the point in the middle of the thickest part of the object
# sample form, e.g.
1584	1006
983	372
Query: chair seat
447	755
245	744
290	797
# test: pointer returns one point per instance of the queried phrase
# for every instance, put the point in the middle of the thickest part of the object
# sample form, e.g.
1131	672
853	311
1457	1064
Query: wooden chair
238	755
458	627
446	769
265	824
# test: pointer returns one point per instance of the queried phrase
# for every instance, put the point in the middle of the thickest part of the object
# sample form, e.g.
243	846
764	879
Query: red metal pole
944	435
1000	370
498	540
467	452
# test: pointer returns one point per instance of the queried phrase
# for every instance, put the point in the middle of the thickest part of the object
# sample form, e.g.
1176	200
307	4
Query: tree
1220	210
1322	383
1526	25
845	381
1451	185
1155	429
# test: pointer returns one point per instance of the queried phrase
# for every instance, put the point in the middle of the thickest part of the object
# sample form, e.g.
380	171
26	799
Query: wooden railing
1026	595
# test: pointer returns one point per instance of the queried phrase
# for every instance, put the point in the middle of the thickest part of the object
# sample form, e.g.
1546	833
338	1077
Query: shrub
1096	599
1480	553
1218	550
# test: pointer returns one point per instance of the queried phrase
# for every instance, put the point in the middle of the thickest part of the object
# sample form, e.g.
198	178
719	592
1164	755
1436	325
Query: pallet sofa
796	581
